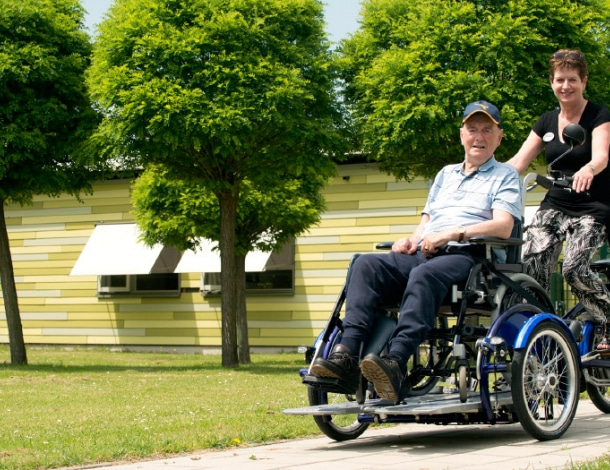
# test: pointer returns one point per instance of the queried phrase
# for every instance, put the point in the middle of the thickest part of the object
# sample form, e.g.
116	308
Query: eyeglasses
568	55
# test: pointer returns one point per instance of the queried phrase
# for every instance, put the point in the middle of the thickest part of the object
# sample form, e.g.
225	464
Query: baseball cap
482	107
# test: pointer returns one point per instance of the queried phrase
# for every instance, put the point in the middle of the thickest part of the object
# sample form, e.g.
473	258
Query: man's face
480	137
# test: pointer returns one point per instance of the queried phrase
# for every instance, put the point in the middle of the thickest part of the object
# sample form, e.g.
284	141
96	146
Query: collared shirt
456	198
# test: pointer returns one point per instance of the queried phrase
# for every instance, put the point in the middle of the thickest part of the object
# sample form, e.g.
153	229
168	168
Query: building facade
59	306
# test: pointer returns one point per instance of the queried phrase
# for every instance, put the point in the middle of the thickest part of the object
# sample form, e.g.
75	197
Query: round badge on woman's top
548	137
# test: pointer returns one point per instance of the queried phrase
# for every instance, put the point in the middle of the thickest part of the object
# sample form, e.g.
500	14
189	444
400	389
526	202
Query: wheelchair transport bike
498	354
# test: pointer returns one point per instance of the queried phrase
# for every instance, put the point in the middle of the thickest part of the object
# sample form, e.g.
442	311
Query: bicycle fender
527	329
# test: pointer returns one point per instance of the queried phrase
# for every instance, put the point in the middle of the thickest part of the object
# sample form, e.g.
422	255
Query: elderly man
477	197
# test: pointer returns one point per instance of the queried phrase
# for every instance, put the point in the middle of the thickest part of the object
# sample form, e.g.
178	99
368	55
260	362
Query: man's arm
501	225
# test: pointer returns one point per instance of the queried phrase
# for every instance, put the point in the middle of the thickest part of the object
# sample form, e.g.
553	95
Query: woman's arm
600	142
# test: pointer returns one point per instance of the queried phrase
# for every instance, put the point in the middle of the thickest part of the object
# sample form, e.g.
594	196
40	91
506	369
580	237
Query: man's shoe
387	377
341	364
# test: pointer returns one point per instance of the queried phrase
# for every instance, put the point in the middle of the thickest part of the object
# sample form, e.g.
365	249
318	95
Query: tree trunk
9	293
228	275
242	313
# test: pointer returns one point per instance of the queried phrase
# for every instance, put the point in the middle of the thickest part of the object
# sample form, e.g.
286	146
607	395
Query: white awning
206	259
115	249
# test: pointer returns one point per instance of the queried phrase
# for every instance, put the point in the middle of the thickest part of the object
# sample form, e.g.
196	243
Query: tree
218	91
46	116
413	66
179	213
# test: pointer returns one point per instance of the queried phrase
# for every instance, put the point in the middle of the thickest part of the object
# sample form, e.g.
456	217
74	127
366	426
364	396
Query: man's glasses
568	55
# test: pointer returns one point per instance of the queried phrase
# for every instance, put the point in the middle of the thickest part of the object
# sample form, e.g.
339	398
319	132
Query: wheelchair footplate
327	384
426	405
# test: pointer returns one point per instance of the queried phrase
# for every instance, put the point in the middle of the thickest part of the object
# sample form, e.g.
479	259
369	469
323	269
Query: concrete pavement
413	446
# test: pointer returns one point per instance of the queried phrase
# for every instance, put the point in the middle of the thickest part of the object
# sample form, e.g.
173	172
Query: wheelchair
498	354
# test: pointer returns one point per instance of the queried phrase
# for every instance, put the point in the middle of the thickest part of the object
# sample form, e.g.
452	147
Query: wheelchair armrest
485	240
481	240
384	245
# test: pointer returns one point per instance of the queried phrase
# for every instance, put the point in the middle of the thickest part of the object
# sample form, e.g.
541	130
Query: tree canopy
179	213
45	109
218	92
217	89
413	66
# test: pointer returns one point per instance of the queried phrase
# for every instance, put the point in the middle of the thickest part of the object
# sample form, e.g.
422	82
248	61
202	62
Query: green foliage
413	66
178	212
218	89
45	113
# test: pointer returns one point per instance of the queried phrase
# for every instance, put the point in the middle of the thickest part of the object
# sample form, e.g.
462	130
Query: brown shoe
387	377
341	364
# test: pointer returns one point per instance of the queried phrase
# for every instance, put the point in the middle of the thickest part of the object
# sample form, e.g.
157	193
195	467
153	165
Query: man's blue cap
482	107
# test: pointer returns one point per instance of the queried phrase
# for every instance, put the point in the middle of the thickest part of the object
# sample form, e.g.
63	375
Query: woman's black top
597	202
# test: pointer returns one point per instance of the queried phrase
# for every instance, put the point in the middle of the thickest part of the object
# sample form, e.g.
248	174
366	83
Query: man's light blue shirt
456	198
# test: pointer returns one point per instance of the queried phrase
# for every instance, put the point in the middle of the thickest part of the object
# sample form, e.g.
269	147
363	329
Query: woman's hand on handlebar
582	179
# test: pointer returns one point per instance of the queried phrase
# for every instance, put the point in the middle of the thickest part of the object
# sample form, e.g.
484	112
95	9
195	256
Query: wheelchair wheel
431	355
511	297
337	427
545	382
424	358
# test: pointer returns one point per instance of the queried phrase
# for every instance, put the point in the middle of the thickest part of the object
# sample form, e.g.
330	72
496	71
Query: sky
341	16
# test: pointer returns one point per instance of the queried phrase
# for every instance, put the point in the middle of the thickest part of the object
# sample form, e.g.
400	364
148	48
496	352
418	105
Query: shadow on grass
66	368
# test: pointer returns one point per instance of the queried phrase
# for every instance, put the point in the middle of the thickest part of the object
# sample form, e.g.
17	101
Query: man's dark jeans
415	283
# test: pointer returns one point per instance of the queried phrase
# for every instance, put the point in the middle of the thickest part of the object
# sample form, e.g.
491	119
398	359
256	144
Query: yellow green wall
363	208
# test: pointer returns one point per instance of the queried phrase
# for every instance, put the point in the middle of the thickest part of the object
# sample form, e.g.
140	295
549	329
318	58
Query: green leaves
413	67
45	113
177	212
228	80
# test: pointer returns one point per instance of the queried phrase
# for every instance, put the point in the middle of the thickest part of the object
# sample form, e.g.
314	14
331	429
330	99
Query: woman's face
568	86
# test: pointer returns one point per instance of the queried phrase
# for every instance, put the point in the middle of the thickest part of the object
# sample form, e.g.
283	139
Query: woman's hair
568	59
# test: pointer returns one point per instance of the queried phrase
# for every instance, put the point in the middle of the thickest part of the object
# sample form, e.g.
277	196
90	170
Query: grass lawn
84	406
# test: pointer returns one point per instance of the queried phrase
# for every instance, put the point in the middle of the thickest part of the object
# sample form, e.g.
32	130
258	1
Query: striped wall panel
364	207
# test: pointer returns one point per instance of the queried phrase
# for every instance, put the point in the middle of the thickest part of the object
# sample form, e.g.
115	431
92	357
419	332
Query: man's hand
405	245
432	241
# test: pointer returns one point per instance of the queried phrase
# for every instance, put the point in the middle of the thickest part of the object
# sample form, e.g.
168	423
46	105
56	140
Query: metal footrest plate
432	404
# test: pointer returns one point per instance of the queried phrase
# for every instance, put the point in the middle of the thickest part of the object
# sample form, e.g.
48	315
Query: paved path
412	446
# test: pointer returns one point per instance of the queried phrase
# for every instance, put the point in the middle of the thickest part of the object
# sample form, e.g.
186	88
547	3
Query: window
276	276
148	285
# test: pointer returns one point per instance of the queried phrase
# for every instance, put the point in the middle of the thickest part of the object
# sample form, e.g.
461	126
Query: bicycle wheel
600	396
545	384
337	427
